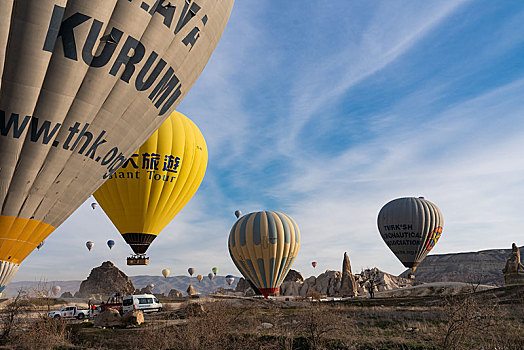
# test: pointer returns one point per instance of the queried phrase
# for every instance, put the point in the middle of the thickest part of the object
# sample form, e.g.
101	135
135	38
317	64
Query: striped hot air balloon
263	246
410	227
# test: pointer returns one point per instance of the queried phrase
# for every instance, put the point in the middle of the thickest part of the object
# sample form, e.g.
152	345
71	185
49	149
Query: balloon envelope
110	243
230	279
314	264
210	276
191	271
200	278
238	213
410	227
83	85
90	245
263	246
166	273
94	205
215	270
156	183
56	290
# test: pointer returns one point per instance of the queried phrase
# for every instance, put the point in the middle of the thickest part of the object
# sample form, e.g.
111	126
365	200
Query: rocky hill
105	280
162	285
483	267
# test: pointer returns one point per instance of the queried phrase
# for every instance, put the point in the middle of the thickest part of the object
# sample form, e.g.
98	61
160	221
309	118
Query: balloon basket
137	260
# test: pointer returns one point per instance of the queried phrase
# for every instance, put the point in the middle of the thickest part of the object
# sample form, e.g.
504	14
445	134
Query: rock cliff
484	267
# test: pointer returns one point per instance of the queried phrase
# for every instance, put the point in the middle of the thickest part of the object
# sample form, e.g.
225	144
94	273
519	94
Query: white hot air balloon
90	245
56	290
83	85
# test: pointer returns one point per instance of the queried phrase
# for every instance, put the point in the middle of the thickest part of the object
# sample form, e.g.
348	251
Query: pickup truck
69	312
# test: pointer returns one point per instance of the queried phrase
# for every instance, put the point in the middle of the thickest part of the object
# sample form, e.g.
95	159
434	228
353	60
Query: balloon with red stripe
263	246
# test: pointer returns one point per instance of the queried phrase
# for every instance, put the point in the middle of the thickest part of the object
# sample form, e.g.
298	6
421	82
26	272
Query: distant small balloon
166	273
94	205
210	276
110	243
56	290
191	271
238	213
230	279
40	245
152	286
89	245
200	278
314	264
215	270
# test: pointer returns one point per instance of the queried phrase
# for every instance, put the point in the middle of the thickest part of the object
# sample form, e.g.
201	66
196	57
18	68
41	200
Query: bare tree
12	314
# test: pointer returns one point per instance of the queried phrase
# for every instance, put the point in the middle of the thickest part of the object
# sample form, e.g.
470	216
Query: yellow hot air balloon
263	246
200	278
155	183
166	273
83	85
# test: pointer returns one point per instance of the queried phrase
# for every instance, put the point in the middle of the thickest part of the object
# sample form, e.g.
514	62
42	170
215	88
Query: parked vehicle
144	302
69	312
113	302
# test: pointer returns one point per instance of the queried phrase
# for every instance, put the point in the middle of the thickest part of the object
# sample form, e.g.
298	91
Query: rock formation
66	295
294	276
348	287
108	318
191	290
105	280
246	287
173	293
330	283
146	290
514	270
479	267
132	318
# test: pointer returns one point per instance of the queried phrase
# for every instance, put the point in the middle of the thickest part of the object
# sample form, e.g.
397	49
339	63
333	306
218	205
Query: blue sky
326	110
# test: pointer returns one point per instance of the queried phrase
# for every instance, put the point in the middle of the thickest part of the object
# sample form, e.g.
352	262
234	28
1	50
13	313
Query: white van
144	302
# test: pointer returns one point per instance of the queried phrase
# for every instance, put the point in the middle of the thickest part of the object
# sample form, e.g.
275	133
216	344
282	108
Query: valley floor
489	319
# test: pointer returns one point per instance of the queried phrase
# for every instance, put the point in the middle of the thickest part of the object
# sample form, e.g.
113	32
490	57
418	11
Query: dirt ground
486	319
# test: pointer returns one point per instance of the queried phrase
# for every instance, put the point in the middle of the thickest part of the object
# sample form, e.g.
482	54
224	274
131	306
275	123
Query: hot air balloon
238	213
210	276
156	183
90	245
151	286
230	279
263	246
200	278
40	245
56	290
314	264
191	271
410	227
94	205
215	270
83	85
110	243
165	273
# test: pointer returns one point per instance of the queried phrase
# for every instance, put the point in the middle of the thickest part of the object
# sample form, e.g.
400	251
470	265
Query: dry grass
459	323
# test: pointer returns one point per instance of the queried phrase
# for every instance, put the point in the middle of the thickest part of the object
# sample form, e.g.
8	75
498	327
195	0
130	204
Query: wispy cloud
329	124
